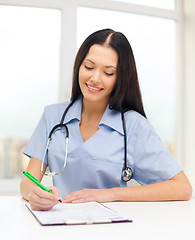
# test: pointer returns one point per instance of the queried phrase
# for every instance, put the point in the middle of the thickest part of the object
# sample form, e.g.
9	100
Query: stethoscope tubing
127	172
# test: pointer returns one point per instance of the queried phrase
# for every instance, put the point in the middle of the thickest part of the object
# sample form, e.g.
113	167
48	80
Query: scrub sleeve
37	143
150	160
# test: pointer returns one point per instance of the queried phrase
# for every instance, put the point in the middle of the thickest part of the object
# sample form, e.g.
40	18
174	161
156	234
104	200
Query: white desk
157	220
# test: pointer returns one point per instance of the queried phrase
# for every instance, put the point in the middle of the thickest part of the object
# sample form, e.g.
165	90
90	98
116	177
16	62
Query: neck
93	109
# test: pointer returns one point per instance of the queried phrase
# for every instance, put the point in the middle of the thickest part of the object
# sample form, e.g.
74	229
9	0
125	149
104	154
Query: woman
105	84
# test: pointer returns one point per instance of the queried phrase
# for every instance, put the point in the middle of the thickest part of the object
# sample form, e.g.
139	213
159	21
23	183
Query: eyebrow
105	66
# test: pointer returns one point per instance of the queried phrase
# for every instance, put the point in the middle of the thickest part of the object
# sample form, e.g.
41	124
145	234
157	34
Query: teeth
93	88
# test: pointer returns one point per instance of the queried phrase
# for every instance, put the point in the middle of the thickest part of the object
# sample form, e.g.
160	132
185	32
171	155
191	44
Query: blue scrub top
99	161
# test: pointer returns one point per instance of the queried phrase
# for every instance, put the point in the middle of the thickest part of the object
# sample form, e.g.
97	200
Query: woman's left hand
89	195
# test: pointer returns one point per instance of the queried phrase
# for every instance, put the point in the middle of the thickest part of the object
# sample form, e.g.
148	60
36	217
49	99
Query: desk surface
151	220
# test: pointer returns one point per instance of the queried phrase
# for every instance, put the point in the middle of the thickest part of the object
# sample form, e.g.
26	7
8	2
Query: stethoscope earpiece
127	174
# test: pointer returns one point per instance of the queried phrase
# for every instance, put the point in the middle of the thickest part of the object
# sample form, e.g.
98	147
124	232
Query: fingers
70	197
42	200
89	195
85	195
54	190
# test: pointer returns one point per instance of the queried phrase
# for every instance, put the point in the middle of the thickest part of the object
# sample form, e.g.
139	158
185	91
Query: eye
109	74
88	68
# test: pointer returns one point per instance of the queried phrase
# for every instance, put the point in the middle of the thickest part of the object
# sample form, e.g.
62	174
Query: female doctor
105	85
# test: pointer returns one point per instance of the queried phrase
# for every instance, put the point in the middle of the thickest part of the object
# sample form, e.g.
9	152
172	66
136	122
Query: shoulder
139	126
133	115
134	118
54	112
56	108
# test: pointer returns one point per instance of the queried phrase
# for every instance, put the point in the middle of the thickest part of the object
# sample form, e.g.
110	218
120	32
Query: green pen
36	181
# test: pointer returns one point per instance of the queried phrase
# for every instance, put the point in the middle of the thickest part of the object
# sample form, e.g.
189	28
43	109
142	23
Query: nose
96	77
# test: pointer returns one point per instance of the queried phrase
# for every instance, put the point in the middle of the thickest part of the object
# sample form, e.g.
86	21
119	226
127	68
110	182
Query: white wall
189	84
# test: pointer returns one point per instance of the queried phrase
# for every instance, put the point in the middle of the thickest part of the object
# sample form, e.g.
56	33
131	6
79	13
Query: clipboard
78	214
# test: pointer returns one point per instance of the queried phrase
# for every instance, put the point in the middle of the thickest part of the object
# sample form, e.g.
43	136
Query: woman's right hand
41	200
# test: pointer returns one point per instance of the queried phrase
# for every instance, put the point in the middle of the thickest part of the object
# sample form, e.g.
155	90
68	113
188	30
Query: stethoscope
127	173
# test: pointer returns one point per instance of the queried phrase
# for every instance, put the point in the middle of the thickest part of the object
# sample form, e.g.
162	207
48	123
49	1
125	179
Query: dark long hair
126	94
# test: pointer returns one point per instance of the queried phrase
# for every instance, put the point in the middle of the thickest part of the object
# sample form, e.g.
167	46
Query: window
29	60
38	46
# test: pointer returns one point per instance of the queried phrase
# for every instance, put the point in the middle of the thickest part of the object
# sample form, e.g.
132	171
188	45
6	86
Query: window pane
168	4
29	60
153	43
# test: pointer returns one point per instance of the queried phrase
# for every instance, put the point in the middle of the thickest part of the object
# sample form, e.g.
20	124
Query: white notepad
81	213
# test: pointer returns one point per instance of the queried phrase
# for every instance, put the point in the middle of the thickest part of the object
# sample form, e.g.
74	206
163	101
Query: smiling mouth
92	88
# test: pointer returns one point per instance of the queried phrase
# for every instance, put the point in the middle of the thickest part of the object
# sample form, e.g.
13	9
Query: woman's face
97	73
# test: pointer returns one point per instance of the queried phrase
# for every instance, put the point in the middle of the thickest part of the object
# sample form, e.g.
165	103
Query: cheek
83	76
111	83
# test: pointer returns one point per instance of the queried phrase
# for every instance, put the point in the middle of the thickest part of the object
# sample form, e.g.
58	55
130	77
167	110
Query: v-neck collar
74	112
110	118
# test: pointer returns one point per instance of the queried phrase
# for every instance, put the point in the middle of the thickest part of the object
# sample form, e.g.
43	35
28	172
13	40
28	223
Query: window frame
68	10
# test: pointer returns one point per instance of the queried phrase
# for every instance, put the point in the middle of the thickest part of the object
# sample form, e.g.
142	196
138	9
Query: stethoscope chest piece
127	174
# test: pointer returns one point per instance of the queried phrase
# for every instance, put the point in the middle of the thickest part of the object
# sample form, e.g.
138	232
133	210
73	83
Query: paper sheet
81	213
